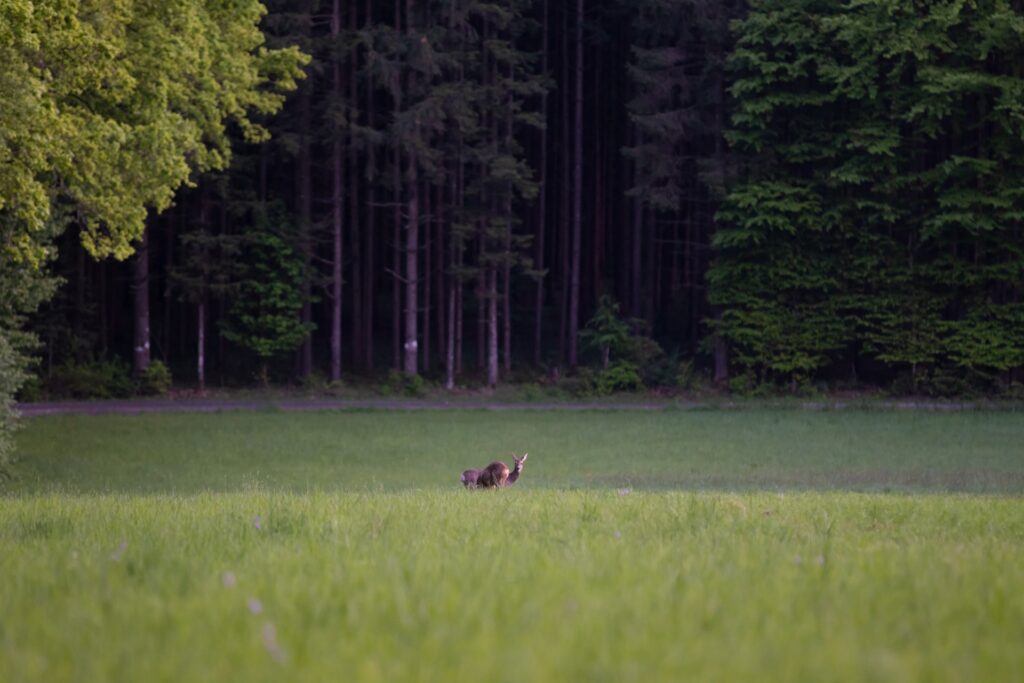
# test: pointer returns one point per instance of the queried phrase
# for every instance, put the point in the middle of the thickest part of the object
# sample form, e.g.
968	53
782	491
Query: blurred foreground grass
523	585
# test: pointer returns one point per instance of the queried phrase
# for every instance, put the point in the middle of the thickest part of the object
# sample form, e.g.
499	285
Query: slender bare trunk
577	198
449	351
427	277
396	291
542	209
396	233
102	301
492	327
437	270
369	267
201	345
481	304
305	201
460	258
412	238
635	270
412	235
506	312
165	332
565	201
720	347
337	211
140	296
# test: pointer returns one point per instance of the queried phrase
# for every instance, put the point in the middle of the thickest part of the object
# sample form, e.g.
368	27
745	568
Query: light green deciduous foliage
106	108
111	105
23	287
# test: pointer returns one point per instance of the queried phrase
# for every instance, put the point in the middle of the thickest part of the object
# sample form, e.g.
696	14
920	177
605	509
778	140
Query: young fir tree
264	315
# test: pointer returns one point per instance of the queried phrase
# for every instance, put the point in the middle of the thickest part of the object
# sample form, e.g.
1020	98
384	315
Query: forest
766	195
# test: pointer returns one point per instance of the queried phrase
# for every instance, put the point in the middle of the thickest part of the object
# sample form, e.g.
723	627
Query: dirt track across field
129	407
213	405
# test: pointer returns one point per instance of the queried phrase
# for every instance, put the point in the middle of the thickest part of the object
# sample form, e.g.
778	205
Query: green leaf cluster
879	213
110	105
264	318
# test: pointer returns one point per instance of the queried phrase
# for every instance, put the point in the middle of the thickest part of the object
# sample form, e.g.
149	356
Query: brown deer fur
470	478
495	475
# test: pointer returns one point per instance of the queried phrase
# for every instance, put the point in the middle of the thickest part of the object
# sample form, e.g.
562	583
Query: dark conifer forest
772	194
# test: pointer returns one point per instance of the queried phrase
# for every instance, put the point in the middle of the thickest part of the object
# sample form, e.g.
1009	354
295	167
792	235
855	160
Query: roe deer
470	478
494	475
517	470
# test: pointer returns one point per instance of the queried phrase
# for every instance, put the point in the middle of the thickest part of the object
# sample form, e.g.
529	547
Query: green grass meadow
637	546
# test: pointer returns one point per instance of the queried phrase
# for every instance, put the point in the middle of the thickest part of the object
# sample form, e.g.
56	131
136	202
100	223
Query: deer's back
494	475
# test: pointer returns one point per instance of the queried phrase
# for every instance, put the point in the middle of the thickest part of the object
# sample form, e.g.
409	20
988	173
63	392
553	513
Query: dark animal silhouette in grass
495	475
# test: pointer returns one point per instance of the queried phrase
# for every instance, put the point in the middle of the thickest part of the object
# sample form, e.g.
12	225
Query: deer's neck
512	476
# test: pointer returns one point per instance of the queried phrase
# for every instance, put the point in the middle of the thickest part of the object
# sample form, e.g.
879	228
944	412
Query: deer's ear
524	457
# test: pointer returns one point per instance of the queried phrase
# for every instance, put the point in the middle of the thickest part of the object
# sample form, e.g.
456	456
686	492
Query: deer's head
519	462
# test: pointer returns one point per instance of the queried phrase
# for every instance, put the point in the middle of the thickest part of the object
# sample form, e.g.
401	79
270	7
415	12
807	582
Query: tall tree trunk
412	239
451	279
460	309
370	265
78	316
449	360
437	269
337	210
354	225
460	259
201	304
140	296
506	312
222	309
506	299
168	305
305	201
396	232
102	300
720	348
427	275
481	301
542	208
492	327
635	270
396	290
565	199
412	253
577	195
201	344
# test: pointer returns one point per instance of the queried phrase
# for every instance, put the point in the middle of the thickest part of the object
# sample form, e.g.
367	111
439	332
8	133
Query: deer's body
470	478
494	476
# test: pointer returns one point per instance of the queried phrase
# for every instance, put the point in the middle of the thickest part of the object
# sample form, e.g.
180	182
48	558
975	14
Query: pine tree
264	316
